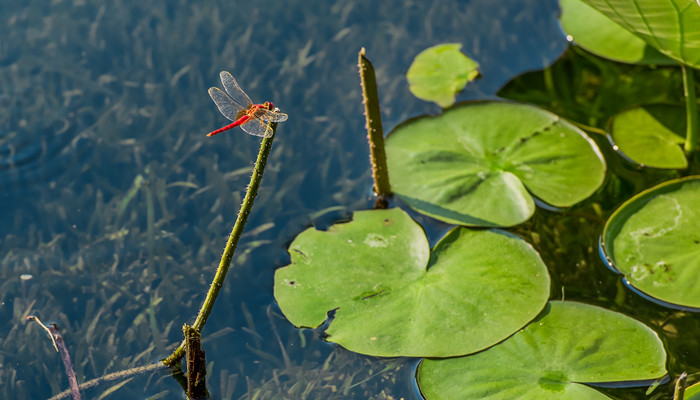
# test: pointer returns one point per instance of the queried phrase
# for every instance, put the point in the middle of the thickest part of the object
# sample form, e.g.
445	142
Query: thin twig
37	320
111	377
60	346
67	364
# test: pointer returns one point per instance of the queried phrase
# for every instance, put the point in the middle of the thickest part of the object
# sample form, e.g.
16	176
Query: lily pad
692	392
479	163
600	35
585	89
440	72
392	296
670	26
651	135
654	240
569	345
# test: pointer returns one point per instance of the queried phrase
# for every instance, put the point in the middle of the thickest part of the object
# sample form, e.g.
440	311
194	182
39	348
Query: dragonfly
237	107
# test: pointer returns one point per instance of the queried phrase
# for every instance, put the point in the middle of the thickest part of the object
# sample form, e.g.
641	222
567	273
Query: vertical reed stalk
375	132
235	235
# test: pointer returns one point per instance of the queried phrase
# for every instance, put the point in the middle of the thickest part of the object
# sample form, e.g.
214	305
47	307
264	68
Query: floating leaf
654	240
569	345
588	90
393	297
603	37
670	26
651	135
692	392
478	163
440	72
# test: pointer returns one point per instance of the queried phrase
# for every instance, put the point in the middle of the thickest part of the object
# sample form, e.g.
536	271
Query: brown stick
60	346
375	132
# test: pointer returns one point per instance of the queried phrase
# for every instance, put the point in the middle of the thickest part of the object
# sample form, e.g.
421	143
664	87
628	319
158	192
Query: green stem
109	378
691	111
236	232
679	389
375	132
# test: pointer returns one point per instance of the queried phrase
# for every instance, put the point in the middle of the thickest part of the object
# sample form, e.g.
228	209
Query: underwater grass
124	96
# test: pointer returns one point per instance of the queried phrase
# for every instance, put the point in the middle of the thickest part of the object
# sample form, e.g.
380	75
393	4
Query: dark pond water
118	206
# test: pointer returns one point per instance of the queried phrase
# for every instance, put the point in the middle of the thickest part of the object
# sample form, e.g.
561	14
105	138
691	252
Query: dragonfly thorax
243	112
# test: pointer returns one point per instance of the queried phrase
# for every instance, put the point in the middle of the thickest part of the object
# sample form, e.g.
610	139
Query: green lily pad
479	163
600	35
654	240
585	89
393	297
670	26
440	72
651	135
569	345
692	392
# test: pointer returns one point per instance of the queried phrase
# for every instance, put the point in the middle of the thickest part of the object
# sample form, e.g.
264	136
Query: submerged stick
235	235
111	377
60	346
196	364
75	389
691	111
375	132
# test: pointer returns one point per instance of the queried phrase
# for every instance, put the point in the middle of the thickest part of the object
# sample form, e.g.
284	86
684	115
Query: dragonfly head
268	105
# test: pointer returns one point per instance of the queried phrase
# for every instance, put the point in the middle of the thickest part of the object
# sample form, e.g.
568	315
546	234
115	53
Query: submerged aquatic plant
142	309
268	133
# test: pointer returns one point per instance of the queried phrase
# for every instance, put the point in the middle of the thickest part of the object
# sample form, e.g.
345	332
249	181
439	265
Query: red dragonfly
237	107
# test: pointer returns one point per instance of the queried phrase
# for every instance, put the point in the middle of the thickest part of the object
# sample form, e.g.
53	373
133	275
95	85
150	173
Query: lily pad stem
233	238
679	389
691	111
375	132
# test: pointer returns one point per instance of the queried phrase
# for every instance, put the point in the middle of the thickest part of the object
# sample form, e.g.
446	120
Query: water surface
116	203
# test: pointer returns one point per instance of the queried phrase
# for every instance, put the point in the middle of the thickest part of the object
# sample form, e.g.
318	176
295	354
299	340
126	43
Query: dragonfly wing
235	91
257	127
227	107
272	116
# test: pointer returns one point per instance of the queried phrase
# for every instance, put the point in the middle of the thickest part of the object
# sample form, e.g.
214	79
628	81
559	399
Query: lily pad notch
393	296
569	346
481	163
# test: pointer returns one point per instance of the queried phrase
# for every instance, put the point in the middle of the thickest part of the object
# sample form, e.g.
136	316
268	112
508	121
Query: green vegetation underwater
521	224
